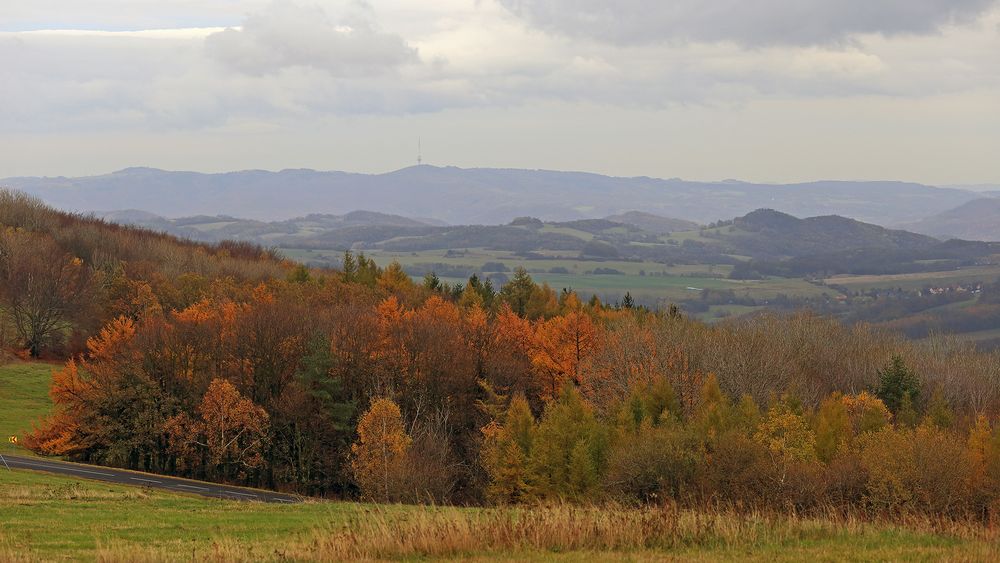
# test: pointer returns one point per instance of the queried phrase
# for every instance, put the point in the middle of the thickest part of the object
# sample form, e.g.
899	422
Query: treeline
362	383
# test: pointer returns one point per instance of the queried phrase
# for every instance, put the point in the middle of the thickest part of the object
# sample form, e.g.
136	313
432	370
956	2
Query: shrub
887	457
866	412
652	463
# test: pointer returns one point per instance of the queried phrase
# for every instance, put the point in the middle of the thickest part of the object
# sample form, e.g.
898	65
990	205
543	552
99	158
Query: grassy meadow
54	518
24	398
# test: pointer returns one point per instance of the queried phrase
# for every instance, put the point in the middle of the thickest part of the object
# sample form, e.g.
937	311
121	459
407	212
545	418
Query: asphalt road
149	480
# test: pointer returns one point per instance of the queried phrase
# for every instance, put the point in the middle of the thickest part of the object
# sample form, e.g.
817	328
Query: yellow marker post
12	440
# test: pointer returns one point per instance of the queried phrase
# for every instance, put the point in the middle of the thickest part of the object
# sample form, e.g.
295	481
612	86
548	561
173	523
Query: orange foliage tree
560	347
230	434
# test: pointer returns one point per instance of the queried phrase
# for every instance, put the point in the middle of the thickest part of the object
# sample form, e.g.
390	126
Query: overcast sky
762	90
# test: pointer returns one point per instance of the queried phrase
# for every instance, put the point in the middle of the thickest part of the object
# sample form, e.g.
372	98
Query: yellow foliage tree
379	456
867	412
833	427
785	434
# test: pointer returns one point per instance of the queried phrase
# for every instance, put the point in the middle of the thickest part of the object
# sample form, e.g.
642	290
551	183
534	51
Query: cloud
289	65
286	35
746	22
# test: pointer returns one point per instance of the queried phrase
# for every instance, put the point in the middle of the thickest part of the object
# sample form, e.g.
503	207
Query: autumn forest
228	363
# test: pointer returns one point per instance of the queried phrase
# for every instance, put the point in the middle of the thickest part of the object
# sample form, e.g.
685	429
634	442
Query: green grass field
24	397
52	517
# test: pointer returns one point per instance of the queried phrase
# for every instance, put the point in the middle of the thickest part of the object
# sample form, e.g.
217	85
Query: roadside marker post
12	440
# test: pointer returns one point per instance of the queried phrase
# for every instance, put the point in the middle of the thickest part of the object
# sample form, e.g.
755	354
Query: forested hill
769	232
63	275
480	196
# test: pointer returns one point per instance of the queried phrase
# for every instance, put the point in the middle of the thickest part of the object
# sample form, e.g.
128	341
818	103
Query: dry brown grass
435	532
587	533
69	491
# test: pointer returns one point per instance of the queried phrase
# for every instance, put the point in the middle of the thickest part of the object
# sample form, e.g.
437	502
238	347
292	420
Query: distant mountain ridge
480	196
209	228
976	220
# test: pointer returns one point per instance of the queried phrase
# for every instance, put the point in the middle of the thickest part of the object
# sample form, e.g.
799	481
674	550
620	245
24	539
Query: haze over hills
480	196
769	232
766	236
215	228
976	220
653	223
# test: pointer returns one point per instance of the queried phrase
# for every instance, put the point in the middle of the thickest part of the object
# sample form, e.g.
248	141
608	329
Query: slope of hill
653	223
976	220
768	232
223	227
486	196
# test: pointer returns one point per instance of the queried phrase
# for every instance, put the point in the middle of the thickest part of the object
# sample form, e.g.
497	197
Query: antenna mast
420	151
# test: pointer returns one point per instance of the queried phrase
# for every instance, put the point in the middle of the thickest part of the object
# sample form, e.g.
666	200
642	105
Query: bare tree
41	287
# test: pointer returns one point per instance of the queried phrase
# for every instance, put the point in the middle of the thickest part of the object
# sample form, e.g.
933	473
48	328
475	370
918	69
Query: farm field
986	274
646	281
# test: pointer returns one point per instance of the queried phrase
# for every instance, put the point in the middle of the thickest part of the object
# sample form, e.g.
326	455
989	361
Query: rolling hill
653	223
976	220
217	228
763	242
484	196
766	232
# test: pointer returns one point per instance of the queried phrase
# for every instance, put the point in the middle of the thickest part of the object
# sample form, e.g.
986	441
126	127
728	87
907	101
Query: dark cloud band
747	22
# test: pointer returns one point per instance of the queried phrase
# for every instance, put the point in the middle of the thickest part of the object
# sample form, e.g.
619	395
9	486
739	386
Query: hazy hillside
975	220
213	228
766	231
479	196
653	223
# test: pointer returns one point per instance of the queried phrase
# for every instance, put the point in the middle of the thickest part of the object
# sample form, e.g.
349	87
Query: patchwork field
985	274
646	281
